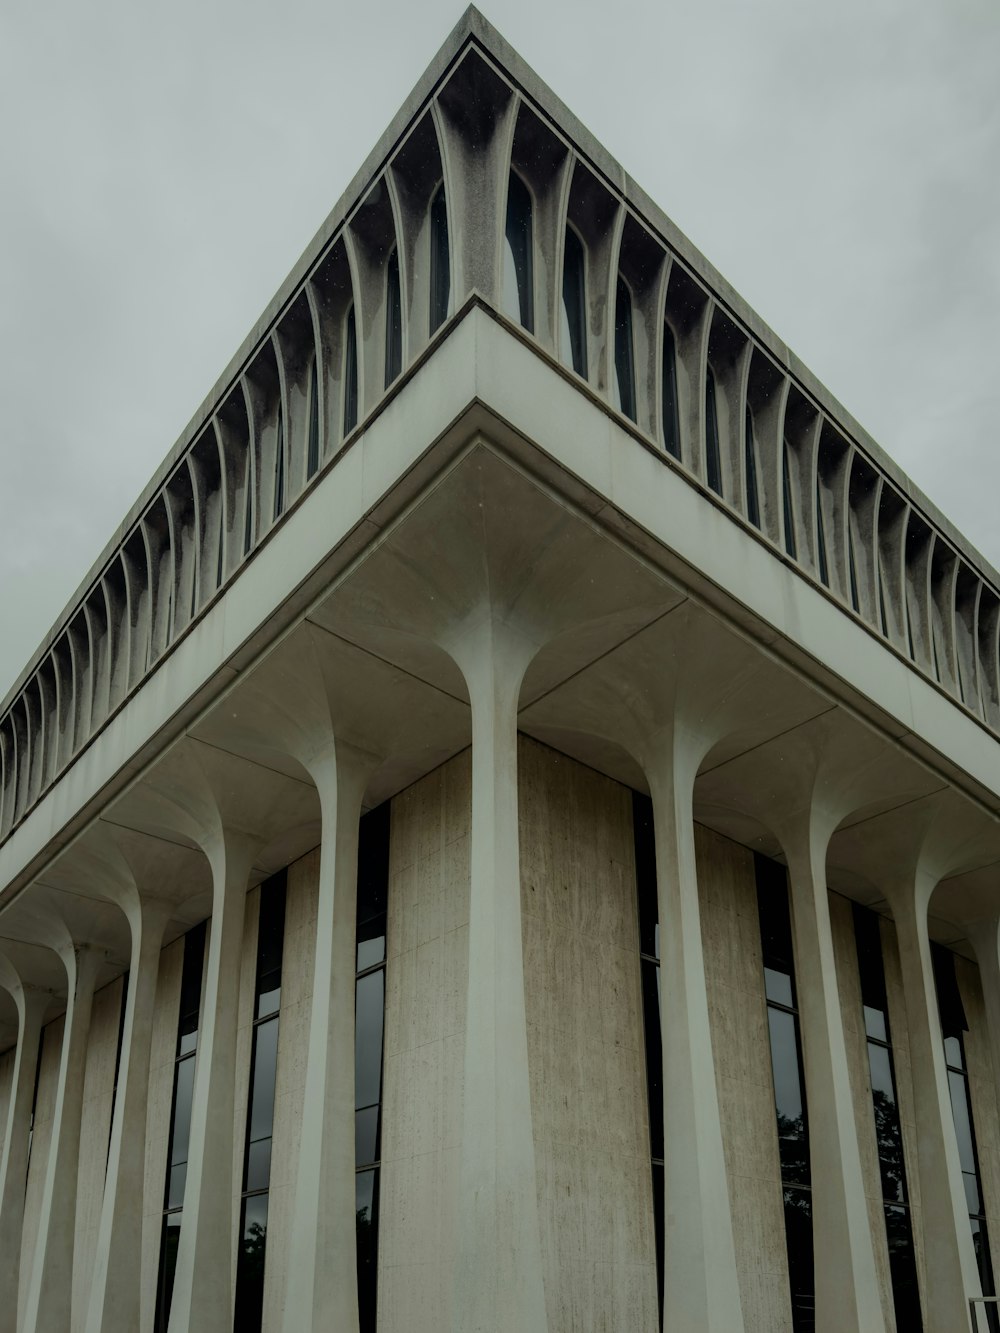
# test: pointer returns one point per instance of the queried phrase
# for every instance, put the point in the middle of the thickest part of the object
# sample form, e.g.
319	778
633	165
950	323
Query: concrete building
506	836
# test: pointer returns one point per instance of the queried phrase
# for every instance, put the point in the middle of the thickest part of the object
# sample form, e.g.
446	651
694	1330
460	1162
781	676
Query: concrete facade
513	535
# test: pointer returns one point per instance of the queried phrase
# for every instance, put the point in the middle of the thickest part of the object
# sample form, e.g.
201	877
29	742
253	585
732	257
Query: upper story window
440	261
312	455
624	380
713	457
393	319
518	277
750	460
350	371
671	409
787	506
279	468
573	326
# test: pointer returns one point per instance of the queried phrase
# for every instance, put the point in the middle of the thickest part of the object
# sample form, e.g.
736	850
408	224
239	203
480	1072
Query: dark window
750	463
888	1130
369	1014
624	351
180	1119
789	1085
852	569
671	409
953	1028
312	454
713	458
440	261
649	964
279	466
573	329
786	499
34	1100
118	1057
350	372
518	277
824	572
260	1108
248	504
393	320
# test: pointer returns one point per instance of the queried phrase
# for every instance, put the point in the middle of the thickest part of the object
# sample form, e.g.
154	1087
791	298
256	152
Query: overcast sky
163	166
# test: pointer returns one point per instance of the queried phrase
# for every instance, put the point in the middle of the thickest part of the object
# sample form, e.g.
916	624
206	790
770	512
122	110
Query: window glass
440	261
750	466
671	408
350	372
713	459
312	455
279	466
649	969
393	320
788	508
573	320
518	277
624	382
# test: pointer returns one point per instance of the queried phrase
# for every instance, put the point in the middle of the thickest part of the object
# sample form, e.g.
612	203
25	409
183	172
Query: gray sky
163	166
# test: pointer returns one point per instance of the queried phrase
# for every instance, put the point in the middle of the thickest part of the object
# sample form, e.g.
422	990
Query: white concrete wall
426	982
741	1048
586	1054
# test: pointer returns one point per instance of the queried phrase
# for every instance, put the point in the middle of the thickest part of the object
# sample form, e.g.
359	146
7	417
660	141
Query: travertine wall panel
95	1133
983	1090
161	1086
740	1045
855	1039
290	1082
585	1046
426	985
45	1102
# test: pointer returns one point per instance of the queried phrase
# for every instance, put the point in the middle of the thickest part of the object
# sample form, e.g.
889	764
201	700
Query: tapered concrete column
116	1282
48	1305
31	1007
498	1277
700	1287
322	1288
847	1291
203	1284
952	1276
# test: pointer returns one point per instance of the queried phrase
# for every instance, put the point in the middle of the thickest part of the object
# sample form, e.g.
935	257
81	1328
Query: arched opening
573	320
518	276
624	351
440	261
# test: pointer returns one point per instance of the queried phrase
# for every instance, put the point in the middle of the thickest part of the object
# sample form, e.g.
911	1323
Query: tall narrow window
279	467
122	1009
518	276
624	351
312	453
649	964
671	412
888	1130
713	458
789	1085
350	371
440	261
953	1027
248	524
180	1119
573	318
393	320
221	547
260	1108
786	501
750	467
852	570
824	572
369	1012
34	1101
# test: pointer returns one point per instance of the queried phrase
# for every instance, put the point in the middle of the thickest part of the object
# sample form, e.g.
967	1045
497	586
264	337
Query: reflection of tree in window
791	1114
